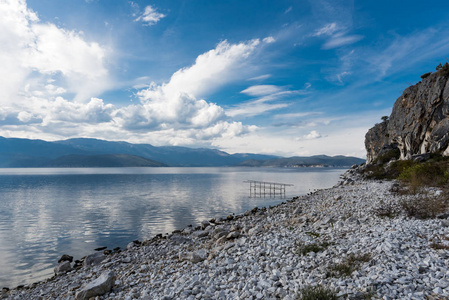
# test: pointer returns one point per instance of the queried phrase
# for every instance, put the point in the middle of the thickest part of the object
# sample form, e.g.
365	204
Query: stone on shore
98	287
94	259
63	267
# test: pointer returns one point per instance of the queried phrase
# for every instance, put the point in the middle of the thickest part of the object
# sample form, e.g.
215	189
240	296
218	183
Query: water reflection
45	213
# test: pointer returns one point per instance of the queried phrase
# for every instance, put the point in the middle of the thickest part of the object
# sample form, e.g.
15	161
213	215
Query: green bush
317	293
431	173
425	75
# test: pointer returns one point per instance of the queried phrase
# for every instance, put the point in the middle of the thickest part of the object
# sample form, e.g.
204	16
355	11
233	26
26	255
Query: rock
233	235
204	224
98	287
418	124
100	248
93	259
194	257
63	267
65	257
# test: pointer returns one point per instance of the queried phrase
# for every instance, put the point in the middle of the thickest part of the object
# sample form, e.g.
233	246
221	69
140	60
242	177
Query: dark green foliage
317	293
443	70
384	118
425	75
429	173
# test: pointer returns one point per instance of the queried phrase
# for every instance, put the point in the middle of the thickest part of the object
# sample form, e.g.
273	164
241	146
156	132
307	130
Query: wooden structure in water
262	189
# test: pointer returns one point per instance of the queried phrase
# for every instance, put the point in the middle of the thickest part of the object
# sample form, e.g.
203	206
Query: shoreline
261	254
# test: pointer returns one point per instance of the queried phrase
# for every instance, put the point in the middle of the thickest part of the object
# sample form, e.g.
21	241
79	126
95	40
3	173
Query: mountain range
83	152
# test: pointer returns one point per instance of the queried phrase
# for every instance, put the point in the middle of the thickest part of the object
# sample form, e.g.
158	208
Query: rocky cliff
419	122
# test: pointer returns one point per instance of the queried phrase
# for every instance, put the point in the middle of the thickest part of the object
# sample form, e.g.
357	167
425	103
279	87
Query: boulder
65	257
93	259
98	287
63	267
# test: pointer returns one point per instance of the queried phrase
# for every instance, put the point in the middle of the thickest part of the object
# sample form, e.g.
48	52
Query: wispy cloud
261	77
150	16
336	36
261	90
327	29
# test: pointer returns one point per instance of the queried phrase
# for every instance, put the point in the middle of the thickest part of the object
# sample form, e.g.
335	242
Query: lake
45	213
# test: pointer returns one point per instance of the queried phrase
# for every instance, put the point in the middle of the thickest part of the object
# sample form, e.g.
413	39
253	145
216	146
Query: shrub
349	265
424	208
315	247
385	210
317	293
439	246
425	75
434	173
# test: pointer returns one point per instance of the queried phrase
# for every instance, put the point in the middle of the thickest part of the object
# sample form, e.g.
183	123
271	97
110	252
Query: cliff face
419	122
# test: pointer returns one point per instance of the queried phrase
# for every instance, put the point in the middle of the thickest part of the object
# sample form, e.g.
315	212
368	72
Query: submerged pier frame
263	189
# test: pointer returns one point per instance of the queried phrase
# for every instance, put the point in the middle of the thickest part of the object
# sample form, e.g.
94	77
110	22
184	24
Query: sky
288	78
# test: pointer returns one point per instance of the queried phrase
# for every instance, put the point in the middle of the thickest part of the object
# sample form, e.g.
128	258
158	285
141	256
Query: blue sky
274	77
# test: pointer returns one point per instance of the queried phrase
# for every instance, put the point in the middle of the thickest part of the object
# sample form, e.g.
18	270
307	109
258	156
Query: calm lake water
45	213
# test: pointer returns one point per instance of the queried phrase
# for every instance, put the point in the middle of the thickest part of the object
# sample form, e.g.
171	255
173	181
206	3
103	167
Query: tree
385	118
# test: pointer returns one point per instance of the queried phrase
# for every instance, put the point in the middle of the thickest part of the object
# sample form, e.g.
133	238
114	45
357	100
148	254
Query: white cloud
150	16
289	9
33	52
269	40
339	40
261	90
313	135
261	77
327	29
336	36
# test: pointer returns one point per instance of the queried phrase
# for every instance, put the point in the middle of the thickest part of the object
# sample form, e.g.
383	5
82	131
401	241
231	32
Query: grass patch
313	234
349	265
315	247
424	208
317	293
385	210
439	246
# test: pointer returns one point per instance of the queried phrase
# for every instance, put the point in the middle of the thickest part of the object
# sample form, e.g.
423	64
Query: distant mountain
312	161
99	153
102	160
37	153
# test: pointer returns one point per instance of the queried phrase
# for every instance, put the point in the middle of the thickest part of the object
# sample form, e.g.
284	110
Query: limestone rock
93	259
63	267
419	122
194	257
98	287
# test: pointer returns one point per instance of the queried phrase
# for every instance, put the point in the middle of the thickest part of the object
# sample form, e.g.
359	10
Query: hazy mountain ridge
83	152
303	161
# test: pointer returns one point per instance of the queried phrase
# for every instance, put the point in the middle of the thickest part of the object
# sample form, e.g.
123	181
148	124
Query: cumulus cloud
150	16
313	135
51	76
34	52
175	104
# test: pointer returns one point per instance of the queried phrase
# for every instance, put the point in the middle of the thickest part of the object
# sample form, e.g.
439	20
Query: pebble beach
333	238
